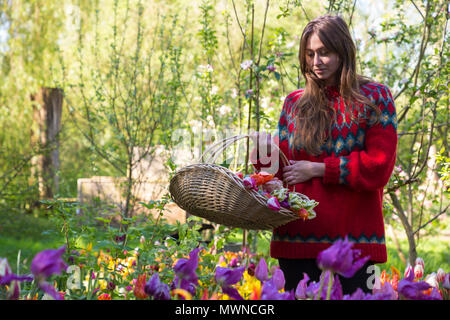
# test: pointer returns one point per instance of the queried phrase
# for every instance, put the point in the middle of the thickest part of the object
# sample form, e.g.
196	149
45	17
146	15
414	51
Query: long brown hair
314	112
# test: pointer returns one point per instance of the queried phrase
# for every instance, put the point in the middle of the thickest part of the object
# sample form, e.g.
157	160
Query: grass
27	233
434	251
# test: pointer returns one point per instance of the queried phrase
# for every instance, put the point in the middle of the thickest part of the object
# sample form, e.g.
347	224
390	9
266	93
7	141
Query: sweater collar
332	91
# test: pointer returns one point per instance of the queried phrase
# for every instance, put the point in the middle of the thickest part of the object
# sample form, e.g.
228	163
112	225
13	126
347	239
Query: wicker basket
217	194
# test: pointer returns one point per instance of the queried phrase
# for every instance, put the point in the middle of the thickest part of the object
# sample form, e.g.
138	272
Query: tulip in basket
258	201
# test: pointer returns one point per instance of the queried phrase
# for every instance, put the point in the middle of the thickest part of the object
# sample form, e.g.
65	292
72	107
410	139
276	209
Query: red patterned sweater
359	158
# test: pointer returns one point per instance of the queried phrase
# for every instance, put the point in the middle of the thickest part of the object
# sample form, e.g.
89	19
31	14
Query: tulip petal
261	272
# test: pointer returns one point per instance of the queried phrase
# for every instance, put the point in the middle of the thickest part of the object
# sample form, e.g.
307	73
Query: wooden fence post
47	113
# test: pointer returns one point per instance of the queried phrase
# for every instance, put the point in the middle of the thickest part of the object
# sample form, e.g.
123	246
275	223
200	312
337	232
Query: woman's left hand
301	171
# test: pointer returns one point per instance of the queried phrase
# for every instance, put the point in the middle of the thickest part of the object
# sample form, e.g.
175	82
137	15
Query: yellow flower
249	285
186	295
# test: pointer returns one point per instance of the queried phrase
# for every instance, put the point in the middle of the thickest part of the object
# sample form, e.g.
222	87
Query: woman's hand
301	171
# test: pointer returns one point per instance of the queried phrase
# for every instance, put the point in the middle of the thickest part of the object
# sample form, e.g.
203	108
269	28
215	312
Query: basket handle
215	150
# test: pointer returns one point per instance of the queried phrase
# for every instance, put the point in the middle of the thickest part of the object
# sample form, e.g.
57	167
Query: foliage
101	262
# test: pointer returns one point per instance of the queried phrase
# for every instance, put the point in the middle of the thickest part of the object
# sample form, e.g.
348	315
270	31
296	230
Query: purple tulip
341	258
226	277
300	291
357	295
48	262
162	293
409	289
10	279
312	290
232	293
261	272
278	279
269	291
45	264
285	204
435	295
157	289
185	268
183	284
152	284
273	204
6	275
386	292
336	290
50	290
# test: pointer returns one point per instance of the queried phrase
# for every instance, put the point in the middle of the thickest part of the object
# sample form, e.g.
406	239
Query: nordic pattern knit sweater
359	157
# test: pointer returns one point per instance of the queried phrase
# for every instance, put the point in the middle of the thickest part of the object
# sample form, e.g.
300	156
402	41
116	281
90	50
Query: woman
339	134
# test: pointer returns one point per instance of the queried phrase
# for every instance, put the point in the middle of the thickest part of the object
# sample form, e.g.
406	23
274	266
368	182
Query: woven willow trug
217	194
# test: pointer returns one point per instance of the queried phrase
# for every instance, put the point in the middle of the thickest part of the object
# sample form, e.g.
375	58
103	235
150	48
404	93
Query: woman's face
323	62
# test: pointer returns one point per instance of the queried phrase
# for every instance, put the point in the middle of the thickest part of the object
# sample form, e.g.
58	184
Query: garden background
127	75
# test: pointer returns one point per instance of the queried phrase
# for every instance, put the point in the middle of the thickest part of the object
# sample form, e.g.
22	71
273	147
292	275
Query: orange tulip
394	282
139	287
104	296
384	277
256	294
262	177
205	295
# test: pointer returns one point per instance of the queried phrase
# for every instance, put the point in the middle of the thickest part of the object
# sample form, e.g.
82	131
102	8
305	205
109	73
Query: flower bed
205	275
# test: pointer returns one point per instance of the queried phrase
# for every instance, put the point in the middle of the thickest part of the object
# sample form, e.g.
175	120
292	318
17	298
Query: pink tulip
431	279
418	271
249	183
420	262
408	271
446	281
273	204
272	185
440	275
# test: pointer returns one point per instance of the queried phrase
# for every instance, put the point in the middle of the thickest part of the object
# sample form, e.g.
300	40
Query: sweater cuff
332	170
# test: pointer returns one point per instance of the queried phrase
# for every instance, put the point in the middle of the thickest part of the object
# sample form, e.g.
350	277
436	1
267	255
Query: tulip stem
330	282
320	288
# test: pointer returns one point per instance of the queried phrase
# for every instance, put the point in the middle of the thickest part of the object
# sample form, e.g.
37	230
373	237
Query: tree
125	98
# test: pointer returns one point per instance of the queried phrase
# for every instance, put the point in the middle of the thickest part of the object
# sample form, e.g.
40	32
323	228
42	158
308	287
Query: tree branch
432	219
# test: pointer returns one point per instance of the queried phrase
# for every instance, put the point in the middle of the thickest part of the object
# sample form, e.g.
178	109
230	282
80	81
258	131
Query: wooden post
47	113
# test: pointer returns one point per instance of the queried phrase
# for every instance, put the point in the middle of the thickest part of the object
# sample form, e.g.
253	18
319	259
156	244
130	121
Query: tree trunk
47	113
412	247
412	252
